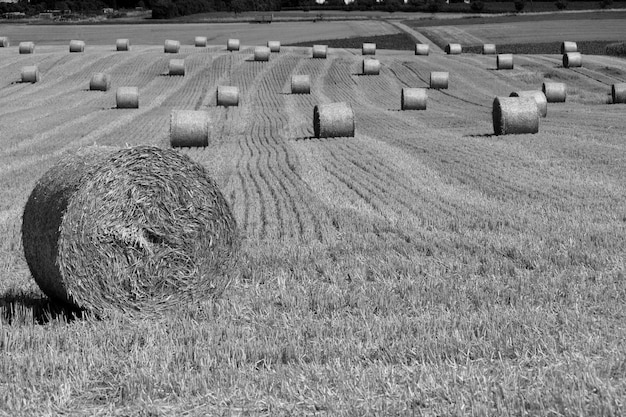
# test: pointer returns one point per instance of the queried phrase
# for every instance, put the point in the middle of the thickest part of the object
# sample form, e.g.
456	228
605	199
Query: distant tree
519	5
561	4
477	6
238	6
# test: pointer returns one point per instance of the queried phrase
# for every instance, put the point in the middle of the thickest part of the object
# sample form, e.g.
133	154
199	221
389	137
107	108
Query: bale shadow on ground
17	308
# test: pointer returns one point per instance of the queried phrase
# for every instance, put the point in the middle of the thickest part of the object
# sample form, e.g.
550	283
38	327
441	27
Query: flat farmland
422	267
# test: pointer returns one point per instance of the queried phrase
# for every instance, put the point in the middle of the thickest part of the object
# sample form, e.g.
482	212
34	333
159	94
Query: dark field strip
400	41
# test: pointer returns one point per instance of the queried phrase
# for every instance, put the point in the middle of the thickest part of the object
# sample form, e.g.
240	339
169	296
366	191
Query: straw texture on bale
554	92
100	82
319	51
127	98
200	41
232	45
333	120
300	84
413	99
171	47
227	96
30	74
504	61
122	45
515	115
568	46
77	46
274	46
26	47
4	42
538	96
368	49
262	53
489	49
421	49
137	230
177	67
371	67
189	128
454	49
439	80
618	93
572	60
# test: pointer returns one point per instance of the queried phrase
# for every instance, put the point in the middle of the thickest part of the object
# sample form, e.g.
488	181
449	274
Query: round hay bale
300	84
515	115
319	51
4	42
177	67
77	46
137	230
568	46
368	49
189	128
171	47
572	60
232	45
618	93
122	45
504	61
26	47
200	41
227	96
554	92
421	49
100	82
371	66
489	49
439	80
538	96
413	99
274	46
333	120
30	74
127	98
262	53
454	49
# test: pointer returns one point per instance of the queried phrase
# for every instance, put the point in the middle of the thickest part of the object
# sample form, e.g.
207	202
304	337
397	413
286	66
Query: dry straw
77	46
371	66
439	80
538	96
100	82
30	74
189	128
177	67
138	231
421	49
554	92
4	42
122	45
171	47
515	115
368	49
413	99
568	46
26	47
200	41
232	45
618	93
127	98
274	46
333	120
572	60
454	49
319	51
262	53
300	84
504	61
489	49
227	96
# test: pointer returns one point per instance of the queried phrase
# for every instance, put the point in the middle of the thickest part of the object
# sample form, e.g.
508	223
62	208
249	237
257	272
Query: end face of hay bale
122	45
300	84
227	96
200	41
77	46
568	46
489	49
319	51
26	47
368	49
371	67
127	98
454	49
4	42
618	93
171	47
572	60
333	120
274	46
439	80
30	74
262	53
554	92
177	67
189	128
504	61
413	99
96	236
100	82
538	96
515	115
232	45
421	49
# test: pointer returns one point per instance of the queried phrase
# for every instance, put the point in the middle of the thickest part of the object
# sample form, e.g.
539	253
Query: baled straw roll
439	80
371	66
77	46
171	46
568	46
30	74
262	53
504	61
127	98
319	51
122	45
454	49
333	120
413	99
227	96
300	84
538	96
135	230
572	60
177	67
368	48
489	49
189	128
26	47
421	49
4	42
232	45
515	115
554	92
618	93
274	46
200	41
100	82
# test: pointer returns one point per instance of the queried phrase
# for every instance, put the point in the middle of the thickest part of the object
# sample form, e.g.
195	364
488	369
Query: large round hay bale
568	46
77	46
300	84
504	61
489	49
137	230
572	60
274	46
439	80
454	49
618	93
319	51
413	99
127	98
538	96
515	115
371	66
122	45
100	82
26	47
368	49
333	120
421	49
30	74
177	67
171	46
262	53
4	42
227	96
232	45
200	41
189	128
554	92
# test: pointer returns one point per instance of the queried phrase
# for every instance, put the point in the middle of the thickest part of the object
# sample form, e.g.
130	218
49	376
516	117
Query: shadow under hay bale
122	45
300	84
421	49
136	230
515	115
77	46
18	308
189	128
413	99
538	96
333	120
618	93
100	82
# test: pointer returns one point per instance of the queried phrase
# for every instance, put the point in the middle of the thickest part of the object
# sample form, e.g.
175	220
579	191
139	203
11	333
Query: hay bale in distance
319	51
177	67
100	82
262	53
554	92
371	66
413	99
77	46
26	47
189	128
30	74
489	49
122	45
137	230
4	42
568	46
618	93
538	96
439	80
368	49
572	60
421	49
454	49
200	41
171	46
504	61
515	115
333	120
232	45
274	46
227	96
300	84
127	98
